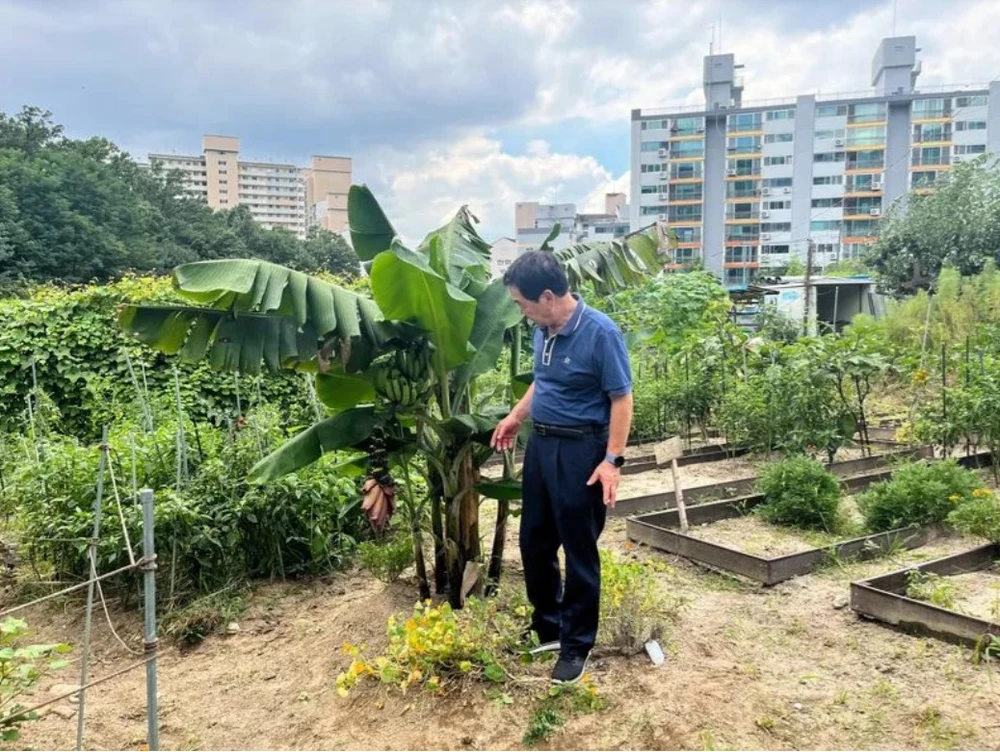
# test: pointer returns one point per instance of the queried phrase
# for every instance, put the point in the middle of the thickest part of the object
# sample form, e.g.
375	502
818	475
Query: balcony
856	164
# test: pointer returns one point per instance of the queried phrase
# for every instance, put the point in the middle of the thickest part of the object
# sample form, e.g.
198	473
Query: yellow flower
953	498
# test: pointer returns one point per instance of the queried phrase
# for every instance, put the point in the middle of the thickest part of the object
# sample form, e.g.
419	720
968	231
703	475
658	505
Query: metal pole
92	555
149	591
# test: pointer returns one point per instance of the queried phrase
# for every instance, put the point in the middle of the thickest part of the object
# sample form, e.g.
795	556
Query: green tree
956	225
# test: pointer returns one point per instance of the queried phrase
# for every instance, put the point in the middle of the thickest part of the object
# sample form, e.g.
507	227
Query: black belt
570	432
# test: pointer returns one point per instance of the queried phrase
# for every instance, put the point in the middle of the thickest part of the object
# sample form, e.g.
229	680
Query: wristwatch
615	459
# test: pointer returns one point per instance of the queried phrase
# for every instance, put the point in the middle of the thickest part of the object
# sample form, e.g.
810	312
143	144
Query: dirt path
782	668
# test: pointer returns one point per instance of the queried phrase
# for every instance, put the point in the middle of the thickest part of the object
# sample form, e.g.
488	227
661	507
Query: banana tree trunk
437	530
503	507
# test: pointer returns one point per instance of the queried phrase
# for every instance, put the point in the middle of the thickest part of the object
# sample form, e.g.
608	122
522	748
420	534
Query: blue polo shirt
579	370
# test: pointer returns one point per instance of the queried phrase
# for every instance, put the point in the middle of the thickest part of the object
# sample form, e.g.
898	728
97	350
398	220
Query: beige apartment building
278	195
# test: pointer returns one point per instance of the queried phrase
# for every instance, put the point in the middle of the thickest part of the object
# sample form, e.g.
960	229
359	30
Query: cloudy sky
445	102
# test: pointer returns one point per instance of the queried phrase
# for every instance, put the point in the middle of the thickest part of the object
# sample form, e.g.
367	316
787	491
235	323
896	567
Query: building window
648	146
688	126
777	205
743	145
771	161
831	110
741	188
741	211
931	108
829	156
781	115
976	100
861	227
776	227
740	277
777	182
741	254
686	170
826	135
738	232
685	192
824	225
650	168
930	155
687	148
827	203
828	179
827	248
866	136
743	167
923	132
970	125
866	160
691	213
778	138
866	112
746	122
970	149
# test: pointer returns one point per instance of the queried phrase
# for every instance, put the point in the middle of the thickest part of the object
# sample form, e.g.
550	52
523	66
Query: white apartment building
746	185
534	221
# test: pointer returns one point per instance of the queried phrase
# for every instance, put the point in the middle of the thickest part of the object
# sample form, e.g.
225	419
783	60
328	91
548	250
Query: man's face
538	311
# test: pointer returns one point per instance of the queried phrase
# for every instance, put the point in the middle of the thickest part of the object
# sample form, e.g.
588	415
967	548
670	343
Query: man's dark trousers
559	508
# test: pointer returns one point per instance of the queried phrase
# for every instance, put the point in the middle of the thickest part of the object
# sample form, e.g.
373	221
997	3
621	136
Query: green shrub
386	559
21	668
919	493
979	517
798	491
634	608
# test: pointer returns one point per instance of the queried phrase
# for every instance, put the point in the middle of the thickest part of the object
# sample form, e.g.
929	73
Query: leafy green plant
919	493
387	558
634	607
21	668
557	705
979	517
800	492
931	587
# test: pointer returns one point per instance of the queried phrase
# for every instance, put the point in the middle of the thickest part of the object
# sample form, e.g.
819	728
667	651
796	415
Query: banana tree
395	371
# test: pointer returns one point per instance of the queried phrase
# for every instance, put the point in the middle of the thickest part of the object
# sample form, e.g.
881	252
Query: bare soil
978	594
788	667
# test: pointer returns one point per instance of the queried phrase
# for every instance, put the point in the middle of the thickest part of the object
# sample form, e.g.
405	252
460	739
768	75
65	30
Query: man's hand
608	475
505	434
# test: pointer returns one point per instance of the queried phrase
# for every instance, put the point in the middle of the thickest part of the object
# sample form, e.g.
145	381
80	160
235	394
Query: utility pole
805	307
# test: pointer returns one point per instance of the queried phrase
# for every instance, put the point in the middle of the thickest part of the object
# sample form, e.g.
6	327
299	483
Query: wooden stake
679	496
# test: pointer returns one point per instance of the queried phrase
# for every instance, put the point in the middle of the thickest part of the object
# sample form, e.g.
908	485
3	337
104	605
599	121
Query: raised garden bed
661	530
884	598
743	486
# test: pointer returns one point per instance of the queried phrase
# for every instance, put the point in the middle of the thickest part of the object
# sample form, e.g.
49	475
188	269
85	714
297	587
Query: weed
634	608
765	723
560	702
841	697
932	588
200	618
543	722
386	559
940	733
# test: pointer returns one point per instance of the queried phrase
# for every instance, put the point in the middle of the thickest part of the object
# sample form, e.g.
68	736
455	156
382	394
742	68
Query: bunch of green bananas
414	363
392	384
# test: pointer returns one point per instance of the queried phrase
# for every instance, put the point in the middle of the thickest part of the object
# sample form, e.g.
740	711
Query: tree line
82	210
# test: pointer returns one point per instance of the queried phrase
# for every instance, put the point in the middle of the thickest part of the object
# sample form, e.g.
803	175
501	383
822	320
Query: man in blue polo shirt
580	404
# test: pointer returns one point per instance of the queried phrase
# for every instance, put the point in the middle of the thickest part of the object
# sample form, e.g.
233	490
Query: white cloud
423	190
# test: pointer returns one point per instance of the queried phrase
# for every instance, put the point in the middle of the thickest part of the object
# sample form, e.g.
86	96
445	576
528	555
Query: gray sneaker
569	668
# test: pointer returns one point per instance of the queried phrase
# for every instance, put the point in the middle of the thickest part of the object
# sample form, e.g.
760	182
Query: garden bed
884	598
741	486
786	556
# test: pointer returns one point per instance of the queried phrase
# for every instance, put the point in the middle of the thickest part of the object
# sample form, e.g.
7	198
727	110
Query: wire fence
146	563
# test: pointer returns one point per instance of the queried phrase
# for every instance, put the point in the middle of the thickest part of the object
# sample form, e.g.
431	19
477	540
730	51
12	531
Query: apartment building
278	195
534	221
750	185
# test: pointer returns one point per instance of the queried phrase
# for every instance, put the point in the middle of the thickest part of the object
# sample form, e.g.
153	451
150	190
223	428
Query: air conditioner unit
956	160
700	129
662	152
786	190
765	236
731	172
876	185
765	214
874	212
664	176
838	142
765	191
